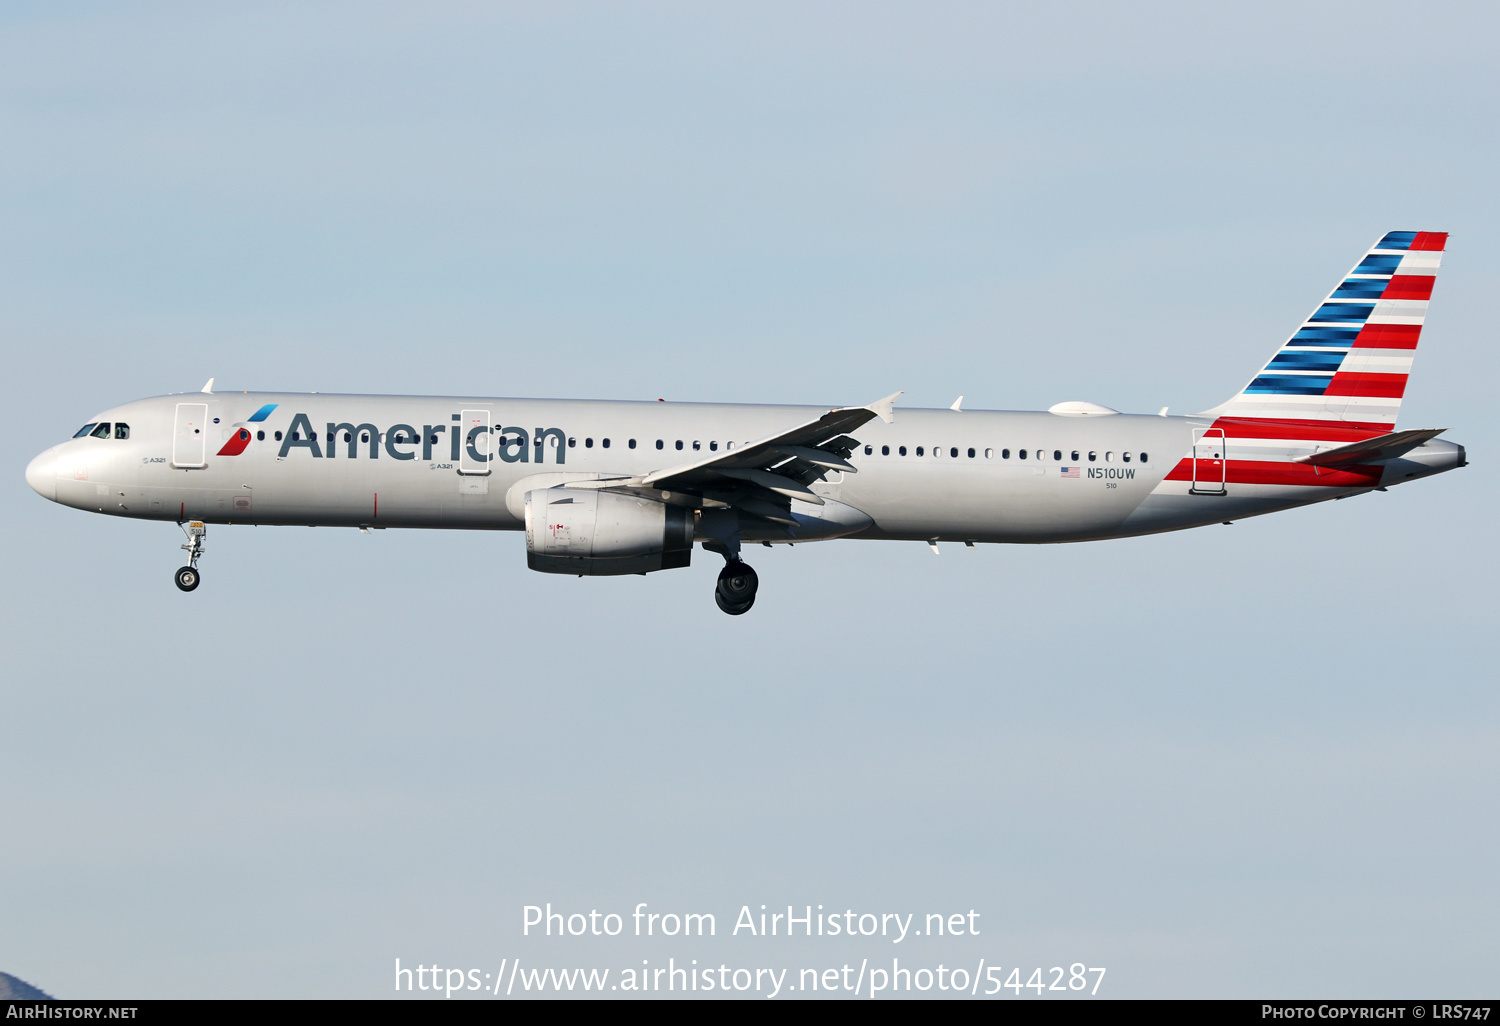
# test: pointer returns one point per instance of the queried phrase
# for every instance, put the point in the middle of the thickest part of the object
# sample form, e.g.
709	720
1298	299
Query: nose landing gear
735	592
187	577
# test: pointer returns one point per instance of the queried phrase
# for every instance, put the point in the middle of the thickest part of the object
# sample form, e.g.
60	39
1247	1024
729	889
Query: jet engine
593	533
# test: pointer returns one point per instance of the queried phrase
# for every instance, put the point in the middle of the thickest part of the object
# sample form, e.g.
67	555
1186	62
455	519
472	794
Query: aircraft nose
41	474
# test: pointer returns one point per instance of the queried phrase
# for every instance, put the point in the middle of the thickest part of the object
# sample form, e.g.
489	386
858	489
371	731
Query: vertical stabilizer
1349	361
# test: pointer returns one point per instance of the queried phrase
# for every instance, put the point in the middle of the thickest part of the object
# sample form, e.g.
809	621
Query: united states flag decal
1070	472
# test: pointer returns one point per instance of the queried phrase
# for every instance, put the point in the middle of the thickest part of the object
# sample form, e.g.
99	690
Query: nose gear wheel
187	578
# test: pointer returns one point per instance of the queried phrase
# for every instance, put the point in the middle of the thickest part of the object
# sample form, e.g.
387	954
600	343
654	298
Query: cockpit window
84	430
122	430
102	431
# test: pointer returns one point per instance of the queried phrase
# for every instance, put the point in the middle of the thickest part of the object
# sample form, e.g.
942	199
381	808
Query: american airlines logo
405	442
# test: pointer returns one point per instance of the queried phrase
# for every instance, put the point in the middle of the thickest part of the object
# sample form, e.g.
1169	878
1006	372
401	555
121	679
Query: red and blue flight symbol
241	436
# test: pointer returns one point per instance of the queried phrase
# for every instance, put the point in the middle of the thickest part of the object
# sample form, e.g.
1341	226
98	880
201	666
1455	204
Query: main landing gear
735	592
187	577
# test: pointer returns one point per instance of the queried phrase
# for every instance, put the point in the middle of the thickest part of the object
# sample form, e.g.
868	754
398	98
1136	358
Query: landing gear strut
735	592
187	577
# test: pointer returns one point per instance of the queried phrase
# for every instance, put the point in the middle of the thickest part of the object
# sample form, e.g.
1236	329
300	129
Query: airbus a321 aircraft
629	487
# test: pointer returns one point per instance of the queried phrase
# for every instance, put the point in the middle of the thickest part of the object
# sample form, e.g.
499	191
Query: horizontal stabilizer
1372	450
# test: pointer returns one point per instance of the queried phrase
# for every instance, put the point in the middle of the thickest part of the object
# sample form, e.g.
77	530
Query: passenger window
260	436
588	443
1125	456
84	430
954	453
919	450
297	436
1109	457
885	450
1057	454
1143	460
1005	454
122	430
102	431
278	436
713	446
606	443
971	454
1093	456
679	445
660	444
632	443
729	445
869	450
697	445
1075	455
989	454
1022	454
902	450
364	436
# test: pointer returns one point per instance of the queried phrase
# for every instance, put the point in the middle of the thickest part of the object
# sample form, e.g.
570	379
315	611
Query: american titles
481	443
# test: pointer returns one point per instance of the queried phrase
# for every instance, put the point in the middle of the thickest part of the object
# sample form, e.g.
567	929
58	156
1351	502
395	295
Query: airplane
629	487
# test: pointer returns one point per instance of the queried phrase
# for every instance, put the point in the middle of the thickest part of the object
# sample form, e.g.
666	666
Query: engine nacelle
594	533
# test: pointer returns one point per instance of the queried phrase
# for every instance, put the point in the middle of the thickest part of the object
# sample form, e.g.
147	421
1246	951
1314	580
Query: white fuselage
407	461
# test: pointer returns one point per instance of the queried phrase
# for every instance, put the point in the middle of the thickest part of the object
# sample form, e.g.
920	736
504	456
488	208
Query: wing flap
767	511
773	483
819	457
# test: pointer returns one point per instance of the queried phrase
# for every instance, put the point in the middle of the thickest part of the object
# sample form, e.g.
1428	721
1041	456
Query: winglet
209	387
885	408
958	404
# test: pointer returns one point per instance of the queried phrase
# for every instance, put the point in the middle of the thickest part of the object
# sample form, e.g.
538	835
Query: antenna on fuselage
957	405
209	387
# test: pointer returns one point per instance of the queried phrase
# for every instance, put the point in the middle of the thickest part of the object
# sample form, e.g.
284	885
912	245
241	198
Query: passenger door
189	435
1210	460
476	448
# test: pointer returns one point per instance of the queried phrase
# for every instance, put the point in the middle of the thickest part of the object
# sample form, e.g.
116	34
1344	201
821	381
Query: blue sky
1231	762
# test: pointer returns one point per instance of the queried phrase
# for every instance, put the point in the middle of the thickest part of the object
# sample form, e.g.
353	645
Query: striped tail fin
1348	363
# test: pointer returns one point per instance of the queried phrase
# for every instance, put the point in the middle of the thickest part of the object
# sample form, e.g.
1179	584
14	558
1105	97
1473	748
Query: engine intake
593	533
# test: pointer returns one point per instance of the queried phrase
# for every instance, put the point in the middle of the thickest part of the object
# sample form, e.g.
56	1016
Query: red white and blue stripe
1339	379
1349	360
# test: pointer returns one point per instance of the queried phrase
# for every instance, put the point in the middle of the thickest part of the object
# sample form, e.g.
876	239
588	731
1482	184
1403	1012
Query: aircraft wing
762	477
1372	450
